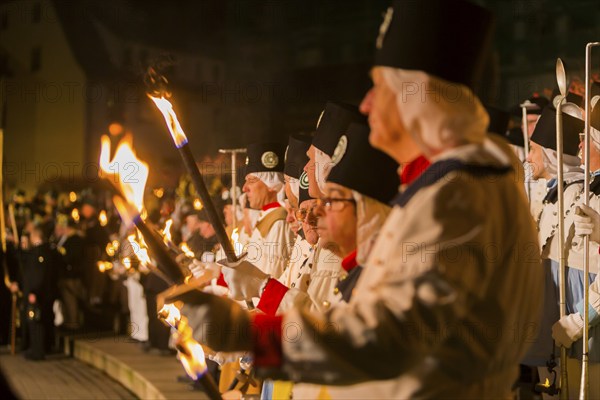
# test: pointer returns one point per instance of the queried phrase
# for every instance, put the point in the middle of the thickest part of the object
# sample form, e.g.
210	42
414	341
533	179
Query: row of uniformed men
423	305
579	220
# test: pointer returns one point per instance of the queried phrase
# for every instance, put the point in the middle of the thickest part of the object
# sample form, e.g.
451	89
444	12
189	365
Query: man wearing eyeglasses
454	276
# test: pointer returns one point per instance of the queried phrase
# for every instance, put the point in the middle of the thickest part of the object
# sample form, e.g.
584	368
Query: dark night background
245	70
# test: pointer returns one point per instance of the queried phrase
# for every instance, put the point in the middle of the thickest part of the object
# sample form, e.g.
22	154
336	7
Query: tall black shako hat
265	157
295	155
360	167
544	133
515	136
333	122
498	120
445	38
304	195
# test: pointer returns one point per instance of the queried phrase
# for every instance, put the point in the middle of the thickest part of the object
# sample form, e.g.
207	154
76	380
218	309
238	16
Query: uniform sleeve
277	247
594	307
417	292
325	273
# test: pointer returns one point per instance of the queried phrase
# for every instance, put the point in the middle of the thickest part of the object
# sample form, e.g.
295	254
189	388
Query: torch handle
210	387
213	216
165	262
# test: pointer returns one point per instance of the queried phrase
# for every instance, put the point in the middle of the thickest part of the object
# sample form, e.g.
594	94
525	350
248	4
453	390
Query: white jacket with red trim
447	297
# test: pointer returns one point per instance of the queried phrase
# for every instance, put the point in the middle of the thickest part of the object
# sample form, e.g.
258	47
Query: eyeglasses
333	204
302	213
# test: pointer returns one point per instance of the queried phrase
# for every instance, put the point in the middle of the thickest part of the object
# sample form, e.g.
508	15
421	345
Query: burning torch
190	351
130	201
159	96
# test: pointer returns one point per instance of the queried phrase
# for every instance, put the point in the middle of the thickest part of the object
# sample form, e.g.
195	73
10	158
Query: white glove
222	357
199	268
244	280
568	330
587	222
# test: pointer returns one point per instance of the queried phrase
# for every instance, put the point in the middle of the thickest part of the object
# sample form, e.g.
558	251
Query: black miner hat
498	120
265	157
333	122
303	195
445	38
360	167
535	105
295	155
544	133
515	136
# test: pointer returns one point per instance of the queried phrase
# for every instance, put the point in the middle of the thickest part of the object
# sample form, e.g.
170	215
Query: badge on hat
303	181
320	117
340	150
387	20
269	159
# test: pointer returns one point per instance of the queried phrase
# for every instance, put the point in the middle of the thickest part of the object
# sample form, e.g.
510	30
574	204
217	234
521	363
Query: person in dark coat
96	238
71	248
158	332
202	234
39	273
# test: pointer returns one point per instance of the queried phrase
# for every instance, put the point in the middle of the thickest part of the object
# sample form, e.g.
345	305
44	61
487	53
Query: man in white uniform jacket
452	282
271	240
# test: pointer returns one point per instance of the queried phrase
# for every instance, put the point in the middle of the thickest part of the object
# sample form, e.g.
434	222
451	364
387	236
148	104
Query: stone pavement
148	375
59	377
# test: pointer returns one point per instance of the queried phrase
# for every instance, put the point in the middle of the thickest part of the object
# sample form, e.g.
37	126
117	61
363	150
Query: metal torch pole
525	129
233	191
165	261
584	386
561	241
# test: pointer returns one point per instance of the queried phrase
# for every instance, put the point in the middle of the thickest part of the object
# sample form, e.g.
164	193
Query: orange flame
547	383
102	218
191	353
75	215
194	363
186	250
130	172
166	232
237	246
166	108
139	249
198	204
110	249
171	314
104	266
